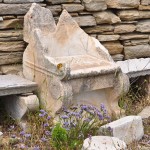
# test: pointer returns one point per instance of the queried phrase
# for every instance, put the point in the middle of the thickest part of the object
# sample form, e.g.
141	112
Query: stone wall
122	26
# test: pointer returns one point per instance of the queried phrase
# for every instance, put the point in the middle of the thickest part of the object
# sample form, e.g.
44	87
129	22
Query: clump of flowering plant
79	122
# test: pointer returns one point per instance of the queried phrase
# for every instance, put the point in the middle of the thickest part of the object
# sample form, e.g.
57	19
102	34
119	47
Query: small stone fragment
128	129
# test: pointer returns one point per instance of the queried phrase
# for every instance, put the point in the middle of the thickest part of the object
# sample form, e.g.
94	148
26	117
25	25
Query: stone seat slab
86	66
13	84
135	67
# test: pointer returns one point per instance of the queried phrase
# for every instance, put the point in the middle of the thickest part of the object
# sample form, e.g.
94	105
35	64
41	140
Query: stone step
12	84
135	67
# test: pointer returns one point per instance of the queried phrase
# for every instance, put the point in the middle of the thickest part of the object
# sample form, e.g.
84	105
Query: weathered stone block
143	7
11	69
113	47
123	4
117	57
95	5
133	14
108	37
10	58
133	36
55	9
136	42
145	2
128	129
60	1
1	19
15	9
143	26
11	24
85	20
99	29
22	1
103	143
106	17
73	7
12	46
137	51
18	106
145	113
124	28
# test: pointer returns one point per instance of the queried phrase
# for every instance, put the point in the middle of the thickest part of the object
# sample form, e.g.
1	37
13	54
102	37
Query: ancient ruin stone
103	143
69	66
127	129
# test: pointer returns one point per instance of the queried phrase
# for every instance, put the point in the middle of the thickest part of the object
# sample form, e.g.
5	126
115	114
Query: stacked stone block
122	26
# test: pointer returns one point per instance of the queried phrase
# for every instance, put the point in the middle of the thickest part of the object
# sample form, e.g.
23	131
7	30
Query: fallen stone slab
103	143
135	67
12	84
22	1
128	129
145	113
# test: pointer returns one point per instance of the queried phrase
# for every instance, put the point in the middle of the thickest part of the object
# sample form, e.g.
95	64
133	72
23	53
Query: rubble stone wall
122	26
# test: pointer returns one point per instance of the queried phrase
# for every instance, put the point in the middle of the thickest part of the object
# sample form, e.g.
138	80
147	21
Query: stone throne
69	66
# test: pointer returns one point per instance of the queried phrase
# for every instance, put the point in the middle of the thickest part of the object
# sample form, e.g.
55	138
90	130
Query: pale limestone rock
133	14
85	21
136	67
133	36
103	143
18	106
137	51
106	17
12	23
124	28
22	1
11	69
145	2
55	9
114	47
145	113
1	19
135	42
95	5
123	4
73	7
10	58
127	129
72	66
14	46
99	29
143	26
117	57
103	38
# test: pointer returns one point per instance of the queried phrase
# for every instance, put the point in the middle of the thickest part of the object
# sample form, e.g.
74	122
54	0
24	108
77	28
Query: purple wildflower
84	107
36	148
43	139
87	120
64	117
42	115
47	133
100	116
22	132
90	136
22	146
49	117
27	135
110	129
46	125
13	136
42	111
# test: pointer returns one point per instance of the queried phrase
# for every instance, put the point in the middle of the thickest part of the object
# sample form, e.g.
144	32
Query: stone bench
12	85
14	92
135	67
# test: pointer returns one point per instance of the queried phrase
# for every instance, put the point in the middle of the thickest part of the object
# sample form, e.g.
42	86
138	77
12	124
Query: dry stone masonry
123	27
